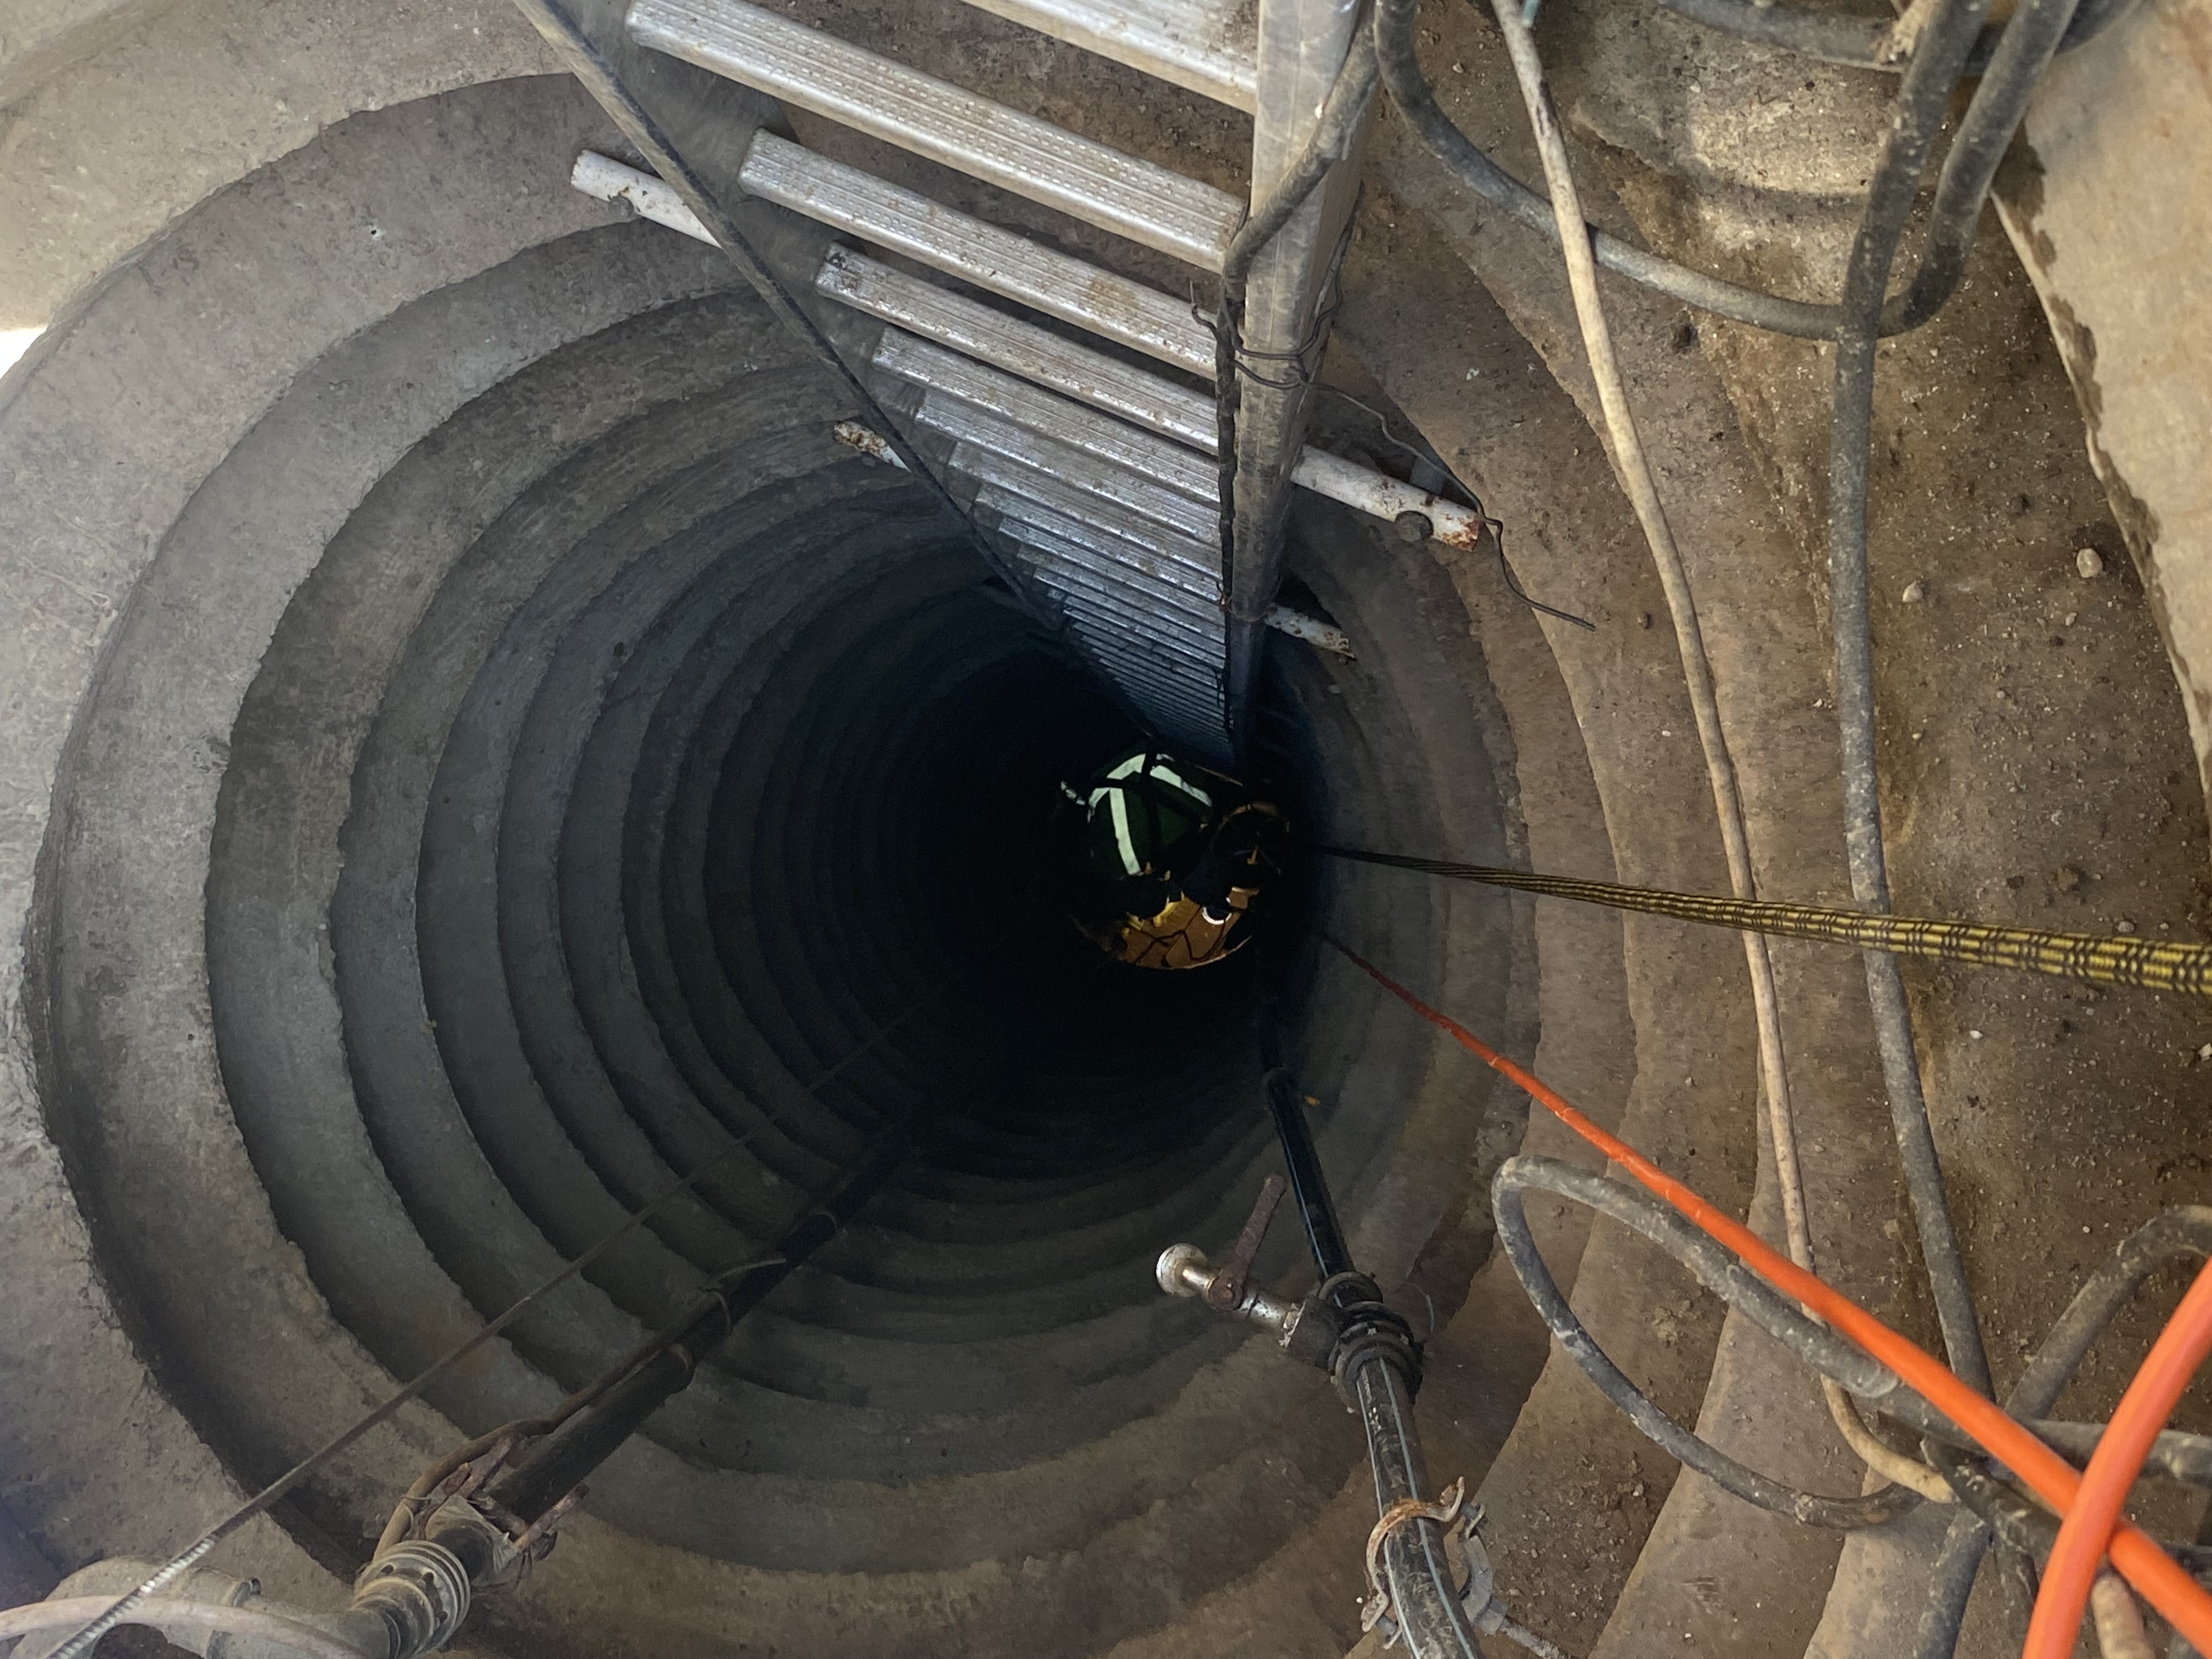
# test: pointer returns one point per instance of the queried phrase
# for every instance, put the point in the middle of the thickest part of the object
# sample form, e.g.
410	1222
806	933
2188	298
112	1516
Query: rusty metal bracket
1227	1288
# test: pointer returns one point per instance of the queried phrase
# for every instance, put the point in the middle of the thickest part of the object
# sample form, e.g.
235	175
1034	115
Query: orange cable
2134	1552
2086	1531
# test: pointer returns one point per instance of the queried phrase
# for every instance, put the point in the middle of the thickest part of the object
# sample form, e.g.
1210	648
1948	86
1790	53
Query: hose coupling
1368	1330
421	1591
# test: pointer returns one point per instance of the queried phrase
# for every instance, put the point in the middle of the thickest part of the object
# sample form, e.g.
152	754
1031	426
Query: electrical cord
1718	1271
2184	1458
1922	104
2032	1533
2071	1574
1952	226
2054	1481
1634	468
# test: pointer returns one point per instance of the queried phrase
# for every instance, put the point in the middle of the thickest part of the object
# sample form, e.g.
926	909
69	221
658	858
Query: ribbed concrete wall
473	747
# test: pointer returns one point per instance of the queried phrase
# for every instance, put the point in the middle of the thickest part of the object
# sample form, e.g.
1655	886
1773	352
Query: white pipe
653	198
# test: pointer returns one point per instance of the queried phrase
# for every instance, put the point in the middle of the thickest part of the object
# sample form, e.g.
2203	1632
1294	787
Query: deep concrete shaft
473	748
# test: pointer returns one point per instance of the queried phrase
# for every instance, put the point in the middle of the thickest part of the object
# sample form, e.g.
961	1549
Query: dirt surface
2038	771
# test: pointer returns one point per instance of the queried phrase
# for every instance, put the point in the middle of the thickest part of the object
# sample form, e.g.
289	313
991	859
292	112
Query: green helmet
1146	813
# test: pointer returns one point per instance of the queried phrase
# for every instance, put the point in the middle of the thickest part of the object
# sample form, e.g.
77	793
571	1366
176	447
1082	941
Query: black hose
1865	42
1416	101
1429	1614
2014	56
664	1364
1720	1272
1376	1366
1956	1568
1317	1209
2023	50
1993	1507
2177	1233
1922	103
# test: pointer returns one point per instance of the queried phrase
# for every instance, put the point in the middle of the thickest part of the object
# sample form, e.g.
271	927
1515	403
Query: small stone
2124	925
2088	562
1915	592
1644	619
1976	1034
2205	1053
2066	879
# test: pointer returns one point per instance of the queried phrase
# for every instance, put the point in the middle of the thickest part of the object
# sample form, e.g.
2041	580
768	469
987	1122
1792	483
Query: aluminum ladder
1092	485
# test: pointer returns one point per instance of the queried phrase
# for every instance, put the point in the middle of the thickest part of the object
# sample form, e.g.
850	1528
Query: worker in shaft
1172	857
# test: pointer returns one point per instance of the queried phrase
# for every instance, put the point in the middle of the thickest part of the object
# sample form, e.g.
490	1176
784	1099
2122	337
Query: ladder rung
1200	584
1207	46
966	423
1183	681
886	99
1010	397
1019	347
1179	611
1166	619
985	467
1158	324
1146	398
1119	580
1117	627
1114	625
1101	618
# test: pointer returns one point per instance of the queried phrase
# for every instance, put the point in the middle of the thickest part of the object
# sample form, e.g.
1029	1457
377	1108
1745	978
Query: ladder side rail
1303	45
694	130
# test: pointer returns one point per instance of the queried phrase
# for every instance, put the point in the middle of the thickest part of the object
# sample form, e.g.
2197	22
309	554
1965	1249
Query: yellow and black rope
2155	964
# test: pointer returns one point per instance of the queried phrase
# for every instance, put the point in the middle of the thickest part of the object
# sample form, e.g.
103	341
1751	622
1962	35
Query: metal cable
81	1642
2156	964
196	1551
254	1625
